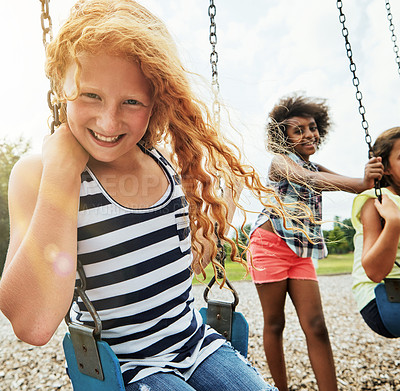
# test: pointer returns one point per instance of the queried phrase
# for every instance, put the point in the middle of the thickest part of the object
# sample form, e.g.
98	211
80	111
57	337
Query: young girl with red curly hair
139	218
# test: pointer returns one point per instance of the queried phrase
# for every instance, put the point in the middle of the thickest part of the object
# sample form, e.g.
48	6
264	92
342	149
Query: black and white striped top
137	264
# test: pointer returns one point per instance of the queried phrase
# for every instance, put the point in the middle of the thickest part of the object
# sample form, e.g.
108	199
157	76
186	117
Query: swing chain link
356	81
359	96
55	110
47	28
212	11
394	37
221	254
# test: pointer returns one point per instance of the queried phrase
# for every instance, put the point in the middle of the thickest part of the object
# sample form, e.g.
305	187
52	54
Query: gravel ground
364	360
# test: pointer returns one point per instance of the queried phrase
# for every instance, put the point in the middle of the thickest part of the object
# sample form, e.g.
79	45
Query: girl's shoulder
364	201
370	193
291	158
28	167
281	160
34	158
24	183
290	167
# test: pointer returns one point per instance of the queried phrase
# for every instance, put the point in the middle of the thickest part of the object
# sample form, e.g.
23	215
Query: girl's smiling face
113	108
303	135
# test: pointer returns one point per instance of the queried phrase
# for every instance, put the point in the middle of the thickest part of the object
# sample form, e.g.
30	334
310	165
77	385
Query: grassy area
336	263
333	264
234	272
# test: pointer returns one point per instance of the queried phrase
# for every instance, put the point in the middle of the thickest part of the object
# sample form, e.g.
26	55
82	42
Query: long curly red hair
203	156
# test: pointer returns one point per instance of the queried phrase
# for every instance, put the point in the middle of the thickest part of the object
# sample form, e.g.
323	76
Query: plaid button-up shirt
289	193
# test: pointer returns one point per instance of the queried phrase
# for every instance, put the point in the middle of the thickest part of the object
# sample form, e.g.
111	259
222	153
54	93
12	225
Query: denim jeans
372	318
224	370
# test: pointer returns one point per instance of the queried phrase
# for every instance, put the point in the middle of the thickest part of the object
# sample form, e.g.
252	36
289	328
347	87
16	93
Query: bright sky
266	50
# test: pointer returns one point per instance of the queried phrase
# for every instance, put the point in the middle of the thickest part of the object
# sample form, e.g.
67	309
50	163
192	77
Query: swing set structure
92	365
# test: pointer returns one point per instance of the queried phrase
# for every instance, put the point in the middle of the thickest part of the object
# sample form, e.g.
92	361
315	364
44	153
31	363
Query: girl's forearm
38	281
324	181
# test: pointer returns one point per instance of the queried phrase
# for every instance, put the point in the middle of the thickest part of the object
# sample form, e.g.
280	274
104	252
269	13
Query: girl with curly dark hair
281	257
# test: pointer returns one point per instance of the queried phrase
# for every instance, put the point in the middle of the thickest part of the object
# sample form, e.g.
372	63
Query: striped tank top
137	265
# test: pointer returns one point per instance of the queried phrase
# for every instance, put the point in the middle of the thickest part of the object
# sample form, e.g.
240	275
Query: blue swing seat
223	318
92	364
112	380
388	310
239	333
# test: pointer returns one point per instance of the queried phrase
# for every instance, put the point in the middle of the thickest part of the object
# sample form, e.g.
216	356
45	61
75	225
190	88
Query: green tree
242	240
336	241
349	232
243	235
339	240
10	152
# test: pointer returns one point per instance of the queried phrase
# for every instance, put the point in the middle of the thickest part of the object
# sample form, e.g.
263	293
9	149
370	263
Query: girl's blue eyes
95	96
132	102
90	95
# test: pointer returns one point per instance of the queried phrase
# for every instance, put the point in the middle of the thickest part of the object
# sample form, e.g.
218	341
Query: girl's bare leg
272	297
307	301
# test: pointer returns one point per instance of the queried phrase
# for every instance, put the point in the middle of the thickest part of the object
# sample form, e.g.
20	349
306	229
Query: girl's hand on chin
62	151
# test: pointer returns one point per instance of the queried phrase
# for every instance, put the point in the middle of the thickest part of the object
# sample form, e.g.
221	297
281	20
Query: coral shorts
273	260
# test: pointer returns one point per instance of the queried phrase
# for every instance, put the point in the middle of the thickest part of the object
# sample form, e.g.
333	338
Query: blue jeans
224	370
372	318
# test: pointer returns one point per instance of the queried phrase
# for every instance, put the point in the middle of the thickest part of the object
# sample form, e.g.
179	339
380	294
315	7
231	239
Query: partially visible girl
377	244
282	258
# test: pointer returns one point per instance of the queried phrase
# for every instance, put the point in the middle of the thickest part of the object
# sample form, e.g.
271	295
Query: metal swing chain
47	25
221	254
394	38
359	96
212	11
356	81
47	28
